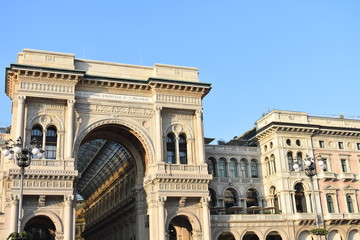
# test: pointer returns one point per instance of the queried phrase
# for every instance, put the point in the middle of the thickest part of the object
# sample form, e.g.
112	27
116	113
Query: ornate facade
125	158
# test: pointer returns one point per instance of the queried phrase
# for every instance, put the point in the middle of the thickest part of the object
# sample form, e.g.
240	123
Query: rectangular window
171	157
358	146
321	144
325	166
343	165
50	152
341	145
183	158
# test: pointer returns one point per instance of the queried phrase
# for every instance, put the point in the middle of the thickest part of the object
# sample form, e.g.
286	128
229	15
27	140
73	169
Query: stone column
70	128
200	138
177	151
153	230
158	135
68	217
206	218
20	117
14	213
161	222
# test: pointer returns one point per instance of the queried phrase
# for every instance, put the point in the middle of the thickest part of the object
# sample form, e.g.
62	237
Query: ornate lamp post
22	154
310	171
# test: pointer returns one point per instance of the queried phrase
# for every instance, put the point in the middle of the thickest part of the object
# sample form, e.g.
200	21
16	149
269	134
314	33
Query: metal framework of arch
133	128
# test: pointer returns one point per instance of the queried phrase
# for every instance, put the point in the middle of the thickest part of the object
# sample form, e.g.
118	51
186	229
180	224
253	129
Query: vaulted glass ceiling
97	160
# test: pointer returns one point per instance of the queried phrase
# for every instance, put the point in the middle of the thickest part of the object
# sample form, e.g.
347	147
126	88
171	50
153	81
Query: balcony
347	176
247	217
327	176
341	216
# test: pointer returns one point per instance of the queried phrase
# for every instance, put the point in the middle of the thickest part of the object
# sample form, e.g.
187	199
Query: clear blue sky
259	55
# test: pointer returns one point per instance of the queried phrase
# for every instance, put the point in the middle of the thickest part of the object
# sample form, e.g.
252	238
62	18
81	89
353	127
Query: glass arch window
330	203
274	194
212	166
251	198
290	161
300	202
233	168
50	142
170	147
272	164
213	198
37	133
183	149
244	168
222	168
267	162
254	168
299	159
230	198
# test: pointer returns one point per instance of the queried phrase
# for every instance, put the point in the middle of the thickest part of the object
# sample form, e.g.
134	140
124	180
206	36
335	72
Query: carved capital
68	200
198	112
21	99
71	102
162	200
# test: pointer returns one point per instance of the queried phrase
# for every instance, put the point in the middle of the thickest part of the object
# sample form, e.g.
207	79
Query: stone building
126	144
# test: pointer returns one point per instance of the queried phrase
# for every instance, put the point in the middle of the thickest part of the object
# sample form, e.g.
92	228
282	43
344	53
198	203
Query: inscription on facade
113	109
115	97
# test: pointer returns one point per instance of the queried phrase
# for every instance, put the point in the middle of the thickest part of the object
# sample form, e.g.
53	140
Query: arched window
267	162
37	133
222	168
183	149
330	204
230	198
233	168
349	203
212	166
300	201
290	161
272	164
251	198
244	168
50	142
299	159
213	198
274	194
254	168
170	147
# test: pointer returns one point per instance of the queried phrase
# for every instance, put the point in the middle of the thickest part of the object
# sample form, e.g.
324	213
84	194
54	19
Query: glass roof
97	161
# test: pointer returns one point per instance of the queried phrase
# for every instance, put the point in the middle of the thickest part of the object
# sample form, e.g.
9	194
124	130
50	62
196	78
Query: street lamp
22	154
310	171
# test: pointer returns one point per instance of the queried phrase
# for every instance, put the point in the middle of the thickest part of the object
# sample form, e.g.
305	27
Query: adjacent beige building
126	158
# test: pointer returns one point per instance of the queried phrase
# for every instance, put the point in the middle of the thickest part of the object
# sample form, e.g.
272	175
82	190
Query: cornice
44	174
25	73
305	129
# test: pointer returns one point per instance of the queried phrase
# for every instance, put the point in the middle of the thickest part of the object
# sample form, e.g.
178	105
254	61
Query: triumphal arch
127	140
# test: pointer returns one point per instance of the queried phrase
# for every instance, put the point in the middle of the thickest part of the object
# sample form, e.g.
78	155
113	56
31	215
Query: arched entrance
226	236
250	236
274	235
111	161
180	228
41	228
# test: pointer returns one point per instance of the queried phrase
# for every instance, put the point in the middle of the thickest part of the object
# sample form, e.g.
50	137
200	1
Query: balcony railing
347	176
327	176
